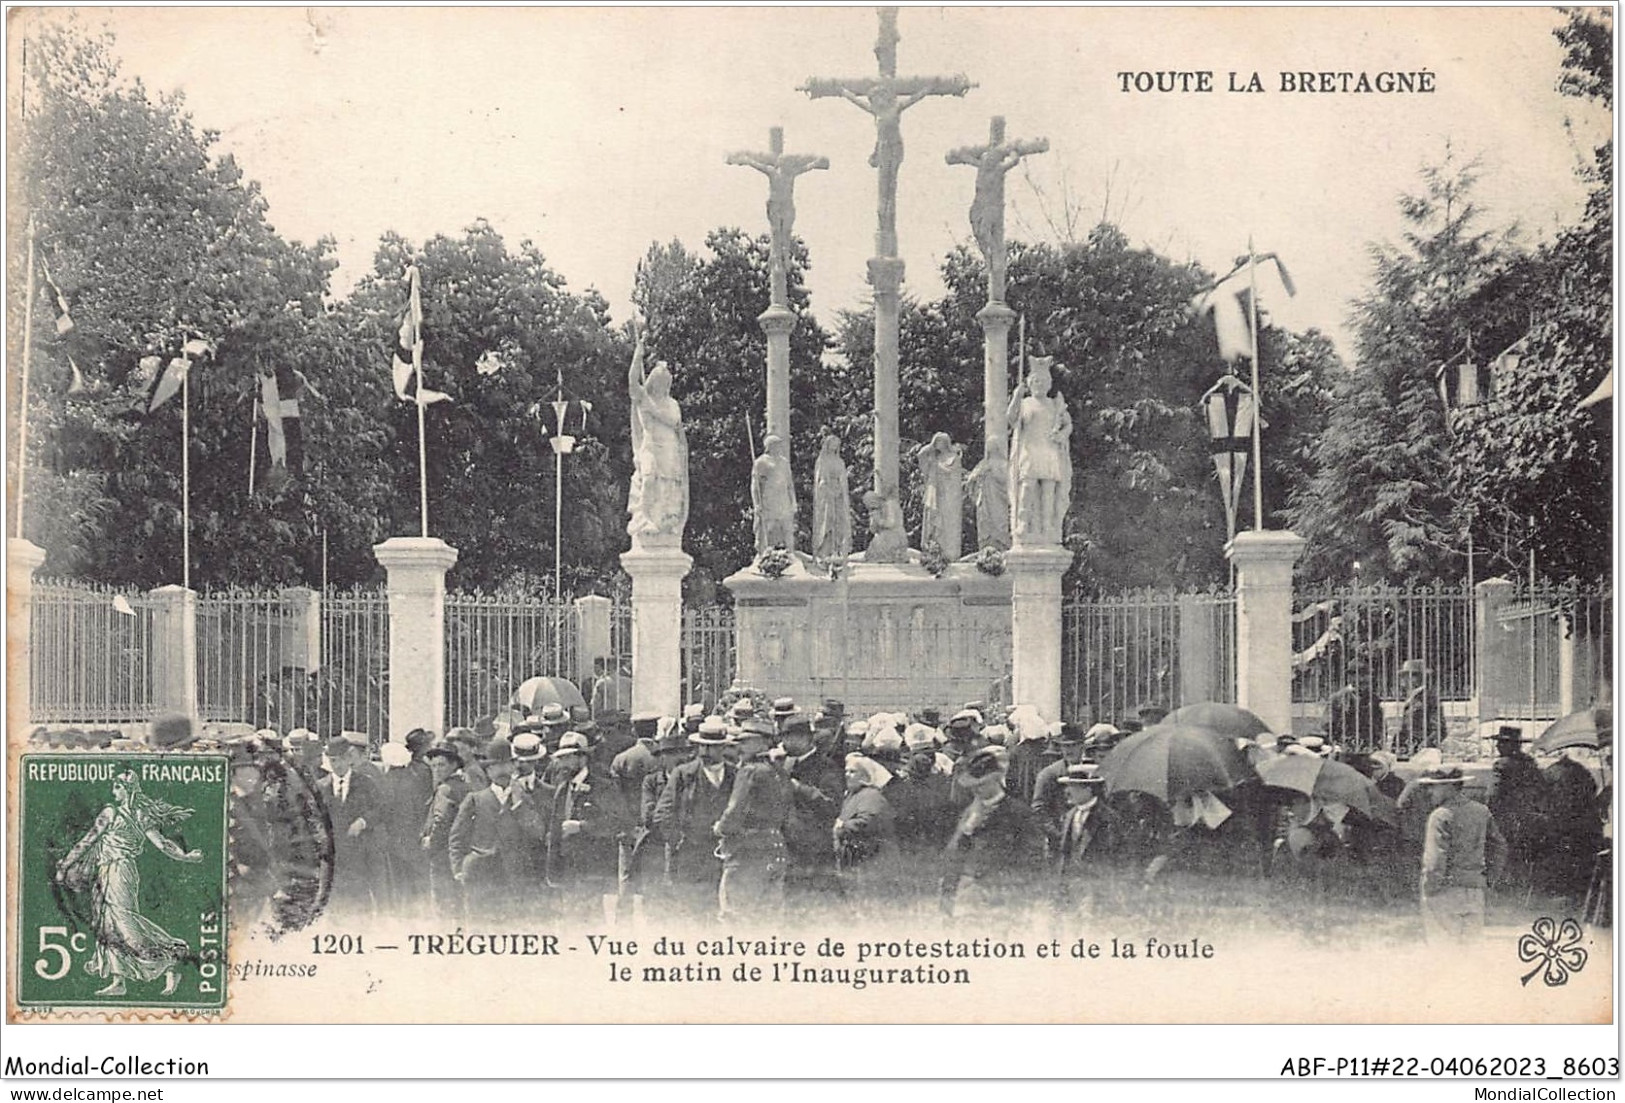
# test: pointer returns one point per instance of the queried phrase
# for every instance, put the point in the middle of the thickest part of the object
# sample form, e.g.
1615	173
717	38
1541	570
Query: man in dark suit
995	850
751	828
694	797
451	786
492	841
816	801
1049	800
356	812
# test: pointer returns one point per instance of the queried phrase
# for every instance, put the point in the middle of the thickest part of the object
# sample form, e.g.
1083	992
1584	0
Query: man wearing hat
1049	800
628	767
1150	714
1461	849
626	773
1517	803
751	828
1086	837
922	796
407	788
493	841
1421	723
584	825
991	857
530	782
555	721
818	784
355	808
695	796
783	709
649	864
693	717
451	786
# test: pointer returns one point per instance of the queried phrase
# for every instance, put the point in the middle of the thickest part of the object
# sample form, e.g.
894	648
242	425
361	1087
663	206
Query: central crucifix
885	98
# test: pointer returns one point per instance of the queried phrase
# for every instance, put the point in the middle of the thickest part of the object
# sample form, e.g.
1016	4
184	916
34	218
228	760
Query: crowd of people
751	809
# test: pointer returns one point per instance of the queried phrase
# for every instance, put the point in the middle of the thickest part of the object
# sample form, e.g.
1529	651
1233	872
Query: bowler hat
498	750
446	751
796	724
1071	735
645	724
1507	733
419	740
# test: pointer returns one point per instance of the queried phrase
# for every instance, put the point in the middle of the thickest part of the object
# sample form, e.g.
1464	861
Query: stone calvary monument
877	627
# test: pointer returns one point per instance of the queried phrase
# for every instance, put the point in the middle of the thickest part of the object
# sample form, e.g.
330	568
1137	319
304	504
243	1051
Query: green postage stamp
121	882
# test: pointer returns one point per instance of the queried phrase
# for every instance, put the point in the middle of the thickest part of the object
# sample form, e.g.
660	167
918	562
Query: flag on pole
64	321
409	347
169	383
280	392
77	386
1230	301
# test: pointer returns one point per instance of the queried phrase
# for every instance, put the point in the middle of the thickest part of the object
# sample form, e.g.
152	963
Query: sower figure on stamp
129	946
356	809
695	796
751	829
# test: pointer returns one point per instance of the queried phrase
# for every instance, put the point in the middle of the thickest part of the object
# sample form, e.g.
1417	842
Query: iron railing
1144	647
90	654
494	642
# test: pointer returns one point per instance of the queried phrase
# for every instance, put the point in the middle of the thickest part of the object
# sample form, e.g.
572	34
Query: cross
992	161
886	97
781	170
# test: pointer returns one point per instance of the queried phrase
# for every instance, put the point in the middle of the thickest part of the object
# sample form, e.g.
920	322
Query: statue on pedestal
781	170
887	541
832	504
658	498
992	162
989	483
1040	457
773	497
943	472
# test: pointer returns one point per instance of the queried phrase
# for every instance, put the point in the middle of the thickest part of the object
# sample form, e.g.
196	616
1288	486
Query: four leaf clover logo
1556	948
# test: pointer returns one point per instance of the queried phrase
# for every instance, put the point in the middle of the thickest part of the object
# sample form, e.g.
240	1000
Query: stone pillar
996	319
592	636
417	567
1035	626
1198	650
1263	563
22	560
886	277
174	650
302	628
657	627
1500	680
777	322
1565	663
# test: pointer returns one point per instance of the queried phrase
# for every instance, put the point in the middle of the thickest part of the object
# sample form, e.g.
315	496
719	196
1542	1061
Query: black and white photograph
844	515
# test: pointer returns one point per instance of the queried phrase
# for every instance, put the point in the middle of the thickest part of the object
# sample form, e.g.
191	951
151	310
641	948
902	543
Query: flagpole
1258	397
28	354
186	477
253	441
558	505
423	452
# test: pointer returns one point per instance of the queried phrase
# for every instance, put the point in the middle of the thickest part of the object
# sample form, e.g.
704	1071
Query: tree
1381	495
150	240
500	332
701	313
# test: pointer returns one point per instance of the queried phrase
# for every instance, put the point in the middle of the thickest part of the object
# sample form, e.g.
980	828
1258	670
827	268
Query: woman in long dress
658	500
866	851
129	946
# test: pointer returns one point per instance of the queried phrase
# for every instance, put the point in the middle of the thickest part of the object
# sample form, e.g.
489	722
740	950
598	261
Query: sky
596	132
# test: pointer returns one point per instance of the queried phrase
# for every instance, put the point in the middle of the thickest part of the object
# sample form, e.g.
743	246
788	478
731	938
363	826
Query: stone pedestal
417	569
996	319
592	636
777	322
886	277
22	560
1201	657
883	636
1263	562
657	627
1035	626
174	650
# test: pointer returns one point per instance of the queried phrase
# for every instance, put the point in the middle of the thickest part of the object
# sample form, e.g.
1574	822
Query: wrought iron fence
709	654
1365	636
351	687
91	654
1146	646
494	642
250	645
1544	652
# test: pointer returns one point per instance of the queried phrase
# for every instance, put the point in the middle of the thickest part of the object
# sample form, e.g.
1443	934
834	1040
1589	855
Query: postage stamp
122	882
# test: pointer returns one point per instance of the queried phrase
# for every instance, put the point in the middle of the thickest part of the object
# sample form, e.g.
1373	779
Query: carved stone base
657	626
882	636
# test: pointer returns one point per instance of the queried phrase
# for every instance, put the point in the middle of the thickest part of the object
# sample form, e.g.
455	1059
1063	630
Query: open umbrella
536	693
1328	782
1231	720
1586	728
1170	761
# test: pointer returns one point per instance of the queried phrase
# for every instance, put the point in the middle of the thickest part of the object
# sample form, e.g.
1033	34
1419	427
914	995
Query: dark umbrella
1170	761
537	693
1231	720
1328	782
1586	728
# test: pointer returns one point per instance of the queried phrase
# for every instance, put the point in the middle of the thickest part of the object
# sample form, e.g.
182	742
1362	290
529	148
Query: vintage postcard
812	515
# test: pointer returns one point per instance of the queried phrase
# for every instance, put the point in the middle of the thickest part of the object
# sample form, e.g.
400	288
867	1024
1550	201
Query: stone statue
773	497
832	504
887	543
989	485
942	471
658	499
781	170
1040	457
886	98
992	162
